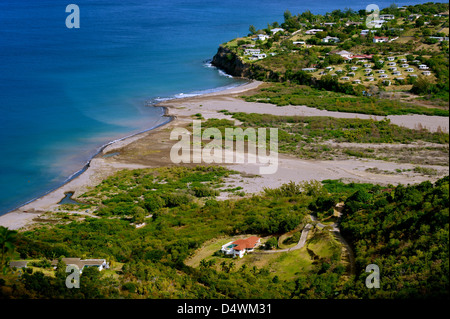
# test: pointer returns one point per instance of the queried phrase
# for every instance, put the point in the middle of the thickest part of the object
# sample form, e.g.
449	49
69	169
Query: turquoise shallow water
66	92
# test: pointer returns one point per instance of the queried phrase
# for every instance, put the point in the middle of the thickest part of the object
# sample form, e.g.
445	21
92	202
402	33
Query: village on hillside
389	51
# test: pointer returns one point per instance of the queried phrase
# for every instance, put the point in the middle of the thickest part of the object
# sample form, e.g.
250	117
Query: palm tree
7	240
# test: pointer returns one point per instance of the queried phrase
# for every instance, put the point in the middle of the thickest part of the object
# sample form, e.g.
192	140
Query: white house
309	69
357	81
261	37
241	246
423	67
345	78
329	39
299	42
252	51
396	73
313	31
275	30
426	73
390	58
345	54
383	76
370	79
387	17
364	32
381	71
259	55
405	65
354	68
409	70
391	63
393	68
402	60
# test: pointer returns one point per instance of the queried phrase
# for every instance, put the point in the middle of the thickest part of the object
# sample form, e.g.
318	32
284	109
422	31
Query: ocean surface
66	92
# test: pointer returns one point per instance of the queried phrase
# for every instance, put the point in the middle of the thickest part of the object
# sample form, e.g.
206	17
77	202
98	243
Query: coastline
95	170
151	148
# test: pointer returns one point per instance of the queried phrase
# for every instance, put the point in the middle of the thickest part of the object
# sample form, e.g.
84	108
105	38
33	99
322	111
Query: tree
252	29
7	240
287	15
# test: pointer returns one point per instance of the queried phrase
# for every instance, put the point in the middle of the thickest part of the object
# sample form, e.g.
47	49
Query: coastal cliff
230	62
227	60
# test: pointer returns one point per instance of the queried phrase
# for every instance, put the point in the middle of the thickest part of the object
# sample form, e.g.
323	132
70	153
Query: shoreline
151	148
23	214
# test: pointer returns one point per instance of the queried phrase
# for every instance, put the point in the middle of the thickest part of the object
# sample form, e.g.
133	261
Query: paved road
300	244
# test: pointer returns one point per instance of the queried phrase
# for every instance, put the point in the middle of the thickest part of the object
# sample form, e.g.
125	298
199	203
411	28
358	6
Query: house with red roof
241	246
380	39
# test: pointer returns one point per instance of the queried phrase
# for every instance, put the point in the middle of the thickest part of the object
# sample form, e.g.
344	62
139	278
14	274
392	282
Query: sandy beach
152	149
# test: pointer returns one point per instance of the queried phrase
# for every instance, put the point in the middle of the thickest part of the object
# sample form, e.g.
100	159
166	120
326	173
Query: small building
329	39
368	70
423	67
357	81
380	39
383	76
364	32
370	79
405	65
387	82
299	42
259	55
402	60
367	65
240	247
252	51
397	73
413	75
345	78
392	68
381	71
351	74
390	58
427	73
391	64
354	68
309	69
387	17
275	30
261	37
313	31
409	70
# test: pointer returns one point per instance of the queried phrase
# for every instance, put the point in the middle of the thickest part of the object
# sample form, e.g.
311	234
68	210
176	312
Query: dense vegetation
403	229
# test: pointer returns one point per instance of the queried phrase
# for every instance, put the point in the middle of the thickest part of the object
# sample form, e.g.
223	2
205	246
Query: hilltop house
241	246
423	67
426	73
81	263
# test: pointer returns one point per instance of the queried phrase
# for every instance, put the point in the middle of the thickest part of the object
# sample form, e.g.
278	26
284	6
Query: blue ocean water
66	92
